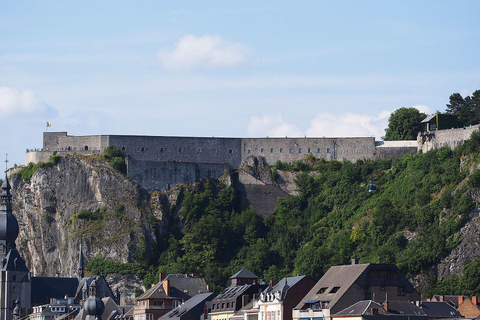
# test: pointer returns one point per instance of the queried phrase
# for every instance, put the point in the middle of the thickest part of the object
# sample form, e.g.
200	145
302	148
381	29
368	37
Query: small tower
80	263
15	283
93	306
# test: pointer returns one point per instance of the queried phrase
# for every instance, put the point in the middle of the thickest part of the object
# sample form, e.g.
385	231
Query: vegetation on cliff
421	201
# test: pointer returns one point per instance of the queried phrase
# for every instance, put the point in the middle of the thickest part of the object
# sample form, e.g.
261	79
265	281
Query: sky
228	68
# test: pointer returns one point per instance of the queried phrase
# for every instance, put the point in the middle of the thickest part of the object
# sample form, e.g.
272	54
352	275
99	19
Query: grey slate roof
428	118
44	288
362	308
283	285
190	309
245	274
404	307
181	286
10	263
437	309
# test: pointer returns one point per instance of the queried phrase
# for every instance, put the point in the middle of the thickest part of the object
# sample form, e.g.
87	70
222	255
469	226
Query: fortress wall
180	149
60	141
154	175
37	156
440	138
394	152
293	149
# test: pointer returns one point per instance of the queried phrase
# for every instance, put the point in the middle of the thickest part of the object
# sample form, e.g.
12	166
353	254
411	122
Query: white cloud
193	52
22	102
322	125
423	108
272	126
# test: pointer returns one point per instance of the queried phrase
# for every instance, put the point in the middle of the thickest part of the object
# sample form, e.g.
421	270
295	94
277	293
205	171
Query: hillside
422	218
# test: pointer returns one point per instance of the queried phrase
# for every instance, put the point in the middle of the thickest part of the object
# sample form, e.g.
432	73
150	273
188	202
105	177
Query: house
440	121
192	309
468	307
167	294
242	291
342	286
276	302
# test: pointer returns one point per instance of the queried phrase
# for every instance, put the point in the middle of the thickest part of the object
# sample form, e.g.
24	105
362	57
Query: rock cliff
82	199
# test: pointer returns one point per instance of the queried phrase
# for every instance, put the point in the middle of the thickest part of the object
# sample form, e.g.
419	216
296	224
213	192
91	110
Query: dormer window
334	290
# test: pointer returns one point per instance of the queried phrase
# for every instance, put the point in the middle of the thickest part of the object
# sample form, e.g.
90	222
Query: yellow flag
49	124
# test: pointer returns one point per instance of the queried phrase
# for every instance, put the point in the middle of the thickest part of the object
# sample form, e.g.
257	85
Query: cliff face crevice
81	199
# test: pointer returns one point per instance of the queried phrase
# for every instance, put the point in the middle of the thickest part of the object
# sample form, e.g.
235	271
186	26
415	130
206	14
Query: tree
461	108
404	124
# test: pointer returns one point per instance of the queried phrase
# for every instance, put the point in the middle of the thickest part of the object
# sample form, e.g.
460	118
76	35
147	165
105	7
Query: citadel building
160	163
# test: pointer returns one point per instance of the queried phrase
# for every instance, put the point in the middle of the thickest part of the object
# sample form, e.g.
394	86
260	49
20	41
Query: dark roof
437	309
341	277
244	274
103	287
362	308
14	262
44	288
404	307
450	299
181	286
190	309
232	291
284	284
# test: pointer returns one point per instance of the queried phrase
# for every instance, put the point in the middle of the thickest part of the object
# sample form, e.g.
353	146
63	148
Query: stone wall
163	162
163	175
294	149
440	138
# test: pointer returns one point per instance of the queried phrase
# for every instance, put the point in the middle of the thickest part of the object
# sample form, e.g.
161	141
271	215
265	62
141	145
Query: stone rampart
440	138
294	149
163	175
158	162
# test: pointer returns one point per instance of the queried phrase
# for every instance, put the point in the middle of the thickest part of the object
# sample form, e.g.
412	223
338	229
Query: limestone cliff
82	199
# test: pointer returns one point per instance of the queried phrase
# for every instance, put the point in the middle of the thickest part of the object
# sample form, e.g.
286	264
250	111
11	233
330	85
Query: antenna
6	162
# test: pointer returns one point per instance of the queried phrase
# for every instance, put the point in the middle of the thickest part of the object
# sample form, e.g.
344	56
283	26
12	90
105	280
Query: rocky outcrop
82	199
467	250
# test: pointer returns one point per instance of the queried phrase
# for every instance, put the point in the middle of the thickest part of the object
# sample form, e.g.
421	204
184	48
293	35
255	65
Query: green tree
404	124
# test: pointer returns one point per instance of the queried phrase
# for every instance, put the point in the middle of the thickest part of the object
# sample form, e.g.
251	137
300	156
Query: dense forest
420	202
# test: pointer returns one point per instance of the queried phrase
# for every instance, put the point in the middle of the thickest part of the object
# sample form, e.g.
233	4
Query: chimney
374	311
460	300
152	285
385	304
354	261
272	282
475	300
161	276
166	287
441	298
208	288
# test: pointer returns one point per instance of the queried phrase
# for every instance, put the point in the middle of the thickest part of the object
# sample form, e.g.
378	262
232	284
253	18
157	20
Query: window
261	150
401	291
180	149
271	150
199	150
123	148
382	288
309	150
86	148
214	150
318	150
142	149
299	150
230	151
161	149
228	305
249	151
281	150
334	290
322	290
328	150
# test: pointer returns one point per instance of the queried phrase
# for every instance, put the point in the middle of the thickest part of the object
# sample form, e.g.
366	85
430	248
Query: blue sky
224	68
